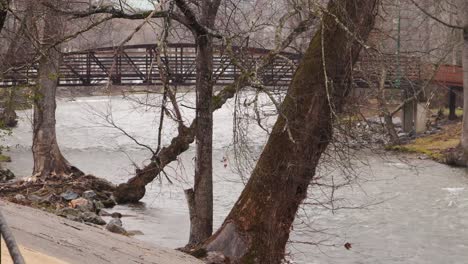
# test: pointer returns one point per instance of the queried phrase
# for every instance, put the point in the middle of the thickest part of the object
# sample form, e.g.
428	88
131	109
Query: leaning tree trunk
257	228
464	138
48	160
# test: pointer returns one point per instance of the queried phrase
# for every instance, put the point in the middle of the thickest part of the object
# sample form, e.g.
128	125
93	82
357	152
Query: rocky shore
73	242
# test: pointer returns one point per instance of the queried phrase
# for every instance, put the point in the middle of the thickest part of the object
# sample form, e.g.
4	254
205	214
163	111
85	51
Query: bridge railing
136	65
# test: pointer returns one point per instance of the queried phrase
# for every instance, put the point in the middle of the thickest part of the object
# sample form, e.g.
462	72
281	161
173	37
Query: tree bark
257	228
464	138
48	160
201	218
4	4
387	115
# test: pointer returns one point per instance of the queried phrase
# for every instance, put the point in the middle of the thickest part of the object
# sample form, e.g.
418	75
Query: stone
89	195
35	198
90	217
79	216
115	226
82	204
67	211
69	195
98	205
52	198
20	198
6	175
402	134
109	203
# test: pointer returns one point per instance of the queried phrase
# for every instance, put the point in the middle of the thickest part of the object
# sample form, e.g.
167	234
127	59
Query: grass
4	158
434	146
446	111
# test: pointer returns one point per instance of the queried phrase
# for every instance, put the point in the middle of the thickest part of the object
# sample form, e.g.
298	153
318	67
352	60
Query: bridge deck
136	65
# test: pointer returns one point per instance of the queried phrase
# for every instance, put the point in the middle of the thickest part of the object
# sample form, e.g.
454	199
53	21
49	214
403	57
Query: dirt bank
70	242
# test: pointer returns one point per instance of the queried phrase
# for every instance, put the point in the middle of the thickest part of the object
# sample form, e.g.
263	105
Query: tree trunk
48	160
257	228
464	138
388	118
201	200
4	4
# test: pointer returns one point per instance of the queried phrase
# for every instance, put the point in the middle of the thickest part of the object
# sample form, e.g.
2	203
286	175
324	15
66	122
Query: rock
82	204
67	211
90	217
115	226
98	205
215	257
52	198
109	203
402	134
89	194
6	175
35	198
69	195
20	198
77	215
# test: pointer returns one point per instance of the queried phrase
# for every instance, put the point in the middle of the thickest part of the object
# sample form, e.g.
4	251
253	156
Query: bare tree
48	159
257	228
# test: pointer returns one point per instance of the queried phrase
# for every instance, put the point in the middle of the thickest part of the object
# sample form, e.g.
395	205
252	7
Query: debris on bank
78	198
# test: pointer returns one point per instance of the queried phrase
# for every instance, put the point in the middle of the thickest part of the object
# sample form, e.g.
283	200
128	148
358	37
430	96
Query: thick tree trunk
48	160
257	228
464	138
4	4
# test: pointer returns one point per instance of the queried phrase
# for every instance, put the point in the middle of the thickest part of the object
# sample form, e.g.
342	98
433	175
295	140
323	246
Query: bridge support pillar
421	117
408	115
452	104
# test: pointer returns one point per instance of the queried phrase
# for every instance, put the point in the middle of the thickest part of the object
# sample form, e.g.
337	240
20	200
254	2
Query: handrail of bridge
134	65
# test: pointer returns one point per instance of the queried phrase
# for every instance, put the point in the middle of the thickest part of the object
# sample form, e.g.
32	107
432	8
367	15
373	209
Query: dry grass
435	146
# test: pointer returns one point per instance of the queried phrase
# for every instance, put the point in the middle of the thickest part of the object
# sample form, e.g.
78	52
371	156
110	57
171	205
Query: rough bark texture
201	216
464	139
3	12
48	160
257	228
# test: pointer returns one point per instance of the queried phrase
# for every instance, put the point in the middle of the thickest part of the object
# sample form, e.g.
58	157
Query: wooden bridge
136	65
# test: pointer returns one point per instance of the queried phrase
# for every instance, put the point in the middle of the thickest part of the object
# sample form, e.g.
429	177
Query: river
399	210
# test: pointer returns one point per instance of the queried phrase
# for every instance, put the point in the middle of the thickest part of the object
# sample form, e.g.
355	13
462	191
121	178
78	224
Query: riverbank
441	146
65	241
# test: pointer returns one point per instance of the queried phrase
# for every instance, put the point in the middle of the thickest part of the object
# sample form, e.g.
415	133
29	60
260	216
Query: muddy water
399	211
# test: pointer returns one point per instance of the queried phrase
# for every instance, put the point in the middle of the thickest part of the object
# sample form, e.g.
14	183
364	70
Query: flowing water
399	211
